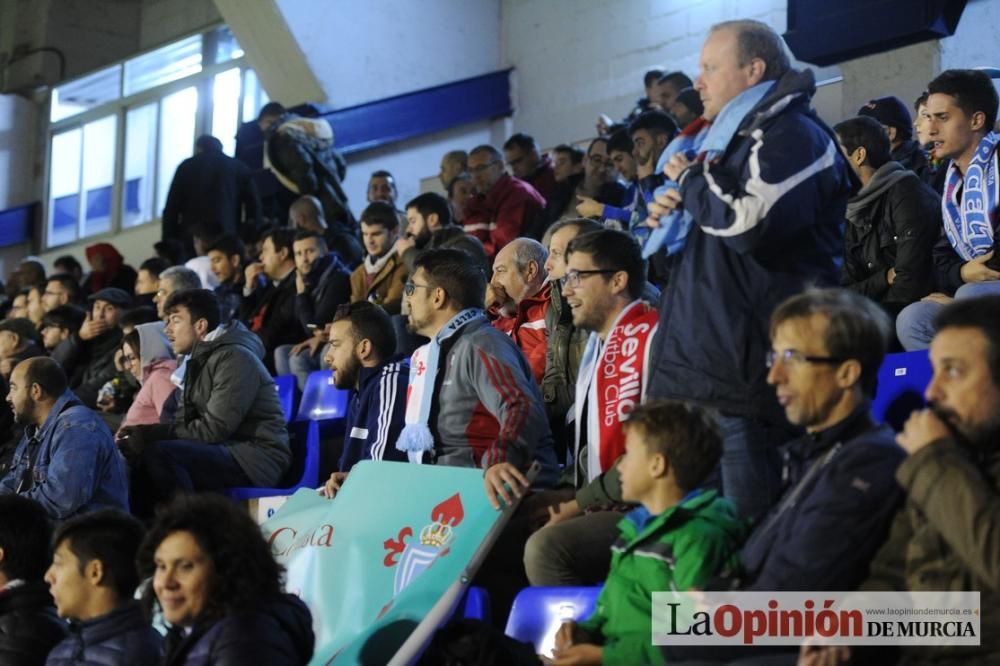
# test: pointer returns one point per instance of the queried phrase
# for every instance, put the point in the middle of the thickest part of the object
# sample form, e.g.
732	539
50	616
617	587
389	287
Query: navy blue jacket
767	222
840	498
377	412
29	626
123	636
328	286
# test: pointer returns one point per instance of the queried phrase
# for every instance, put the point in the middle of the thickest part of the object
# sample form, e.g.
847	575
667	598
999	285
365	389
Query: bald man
306	213
520	298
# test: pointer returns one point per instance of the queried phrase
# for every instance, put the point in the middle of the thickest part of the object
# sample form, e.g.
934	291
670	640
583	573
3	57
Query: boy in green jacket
679	538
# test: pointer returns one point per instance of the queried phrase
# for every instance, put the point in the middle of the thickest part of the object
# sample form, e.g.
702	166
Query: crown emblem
437	535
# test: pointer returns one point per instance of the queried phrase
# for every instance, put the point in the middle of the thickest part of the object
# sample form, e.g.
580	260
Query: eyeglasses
482	167
411	287
573	276
795	357
514	162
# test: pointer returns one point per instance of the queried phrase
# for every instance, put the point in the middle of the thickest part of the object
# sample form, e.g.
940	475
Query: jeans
751	464
915	324
188	465
576	552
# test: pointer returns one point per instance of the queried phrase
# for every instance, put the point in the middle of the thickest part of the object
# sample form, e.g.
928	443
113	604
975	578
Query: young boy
678	539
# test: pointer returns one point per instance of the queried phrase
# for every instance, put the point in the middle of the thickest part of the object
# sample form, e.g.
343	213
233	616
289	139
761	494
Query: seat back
538	612
303	472
321	399
285	385
902	380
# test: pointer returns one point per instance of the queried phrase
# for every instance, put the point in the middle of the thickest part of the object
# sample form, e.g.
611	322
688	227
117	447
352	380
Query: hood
235	334
112	258
794	87
719	512
331	262
884	178
906	149
153	344
294	618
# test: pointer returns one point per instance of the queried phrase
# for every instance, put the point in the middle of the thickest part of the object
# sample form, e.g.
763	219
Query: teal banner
381	555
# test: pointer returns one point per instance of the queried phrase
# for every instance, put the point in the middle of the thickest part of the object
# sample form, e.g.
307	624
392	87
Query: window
64	187
177	120
99	142
86	93
140	165
166	64
226	108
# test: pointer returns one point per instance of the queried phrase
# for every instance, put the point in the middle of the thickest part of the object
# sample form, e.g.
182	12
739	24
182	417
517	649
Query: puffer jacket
529	330
158	363
95	365
29	626
123	636
276	634
229	399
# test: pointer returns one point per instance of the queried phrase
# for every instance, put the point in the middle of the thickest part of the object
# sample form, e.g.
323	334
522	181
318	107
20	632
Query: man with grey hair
762	207
453	163
519	297
175	278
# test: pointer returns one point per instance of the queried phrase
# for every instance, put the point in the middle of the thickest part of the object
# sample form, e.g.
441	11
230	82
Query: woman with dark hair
147	355
220	589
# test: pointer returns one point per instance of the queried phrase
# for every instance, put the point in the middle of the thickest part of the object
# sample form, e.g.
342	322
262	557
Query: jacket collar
50	421
127	617
856	423
367	375
638	523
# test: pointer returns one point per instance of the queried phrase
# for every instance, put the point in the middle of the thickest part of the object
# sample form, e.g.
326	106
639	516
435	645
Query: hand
938	297
565	635
603	124
333	485
823	655
588	207
404	243
677	165
311	345
890	277
252	272
300	283
664	204
578	655
92	328
922	428
977	271
563	511
500	474
107	405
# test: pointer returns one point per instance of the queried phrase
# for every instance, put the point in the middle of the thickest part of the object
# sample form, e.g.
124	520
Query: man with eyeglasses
503	207
60	289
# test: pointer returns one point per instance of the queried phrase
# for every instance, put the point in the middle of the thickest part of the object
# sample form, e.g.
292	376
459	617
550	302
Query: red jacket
544	178
527	328
500	215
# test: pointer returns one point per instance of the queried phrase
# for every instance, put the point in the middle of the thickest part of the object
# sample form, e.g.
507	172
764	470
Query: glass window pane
99	144
64	187
226	108
177	120
226	46
172	62
92	90
251	88
140	153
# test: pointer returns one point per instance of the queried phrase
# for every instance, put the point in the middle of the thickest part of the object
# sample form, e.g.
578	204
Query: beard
26	416
347	377
977	435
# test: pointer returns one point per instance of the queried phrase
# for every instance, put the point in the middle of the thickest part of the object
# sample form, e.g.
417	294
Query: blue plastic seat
321	399
302	473
476	605
538	612
902	380
286	395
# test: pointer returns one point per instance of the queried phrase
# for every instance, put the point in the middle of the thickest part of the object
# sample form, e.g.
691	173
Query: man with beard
380	276
67	460
227	258
362	342
429	225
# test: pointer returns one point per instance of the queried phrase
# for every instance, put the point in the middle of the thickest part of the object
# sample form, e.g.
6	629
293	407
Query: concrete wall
163	21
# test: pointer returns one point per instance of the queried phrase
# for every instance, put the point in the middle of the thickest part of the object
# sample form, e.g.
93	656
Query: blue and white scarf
706	146
416	436
968	222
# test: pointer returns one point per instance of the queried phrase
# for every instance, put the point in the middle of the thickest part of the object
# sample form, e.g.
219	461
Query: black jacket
328	286
277	634
912	156
29	626
270	313
95	365
893	222
123	636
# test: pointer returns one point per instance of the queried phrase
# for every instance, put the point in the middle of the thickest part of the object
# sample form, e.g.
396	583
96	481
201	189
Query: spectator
382	187
460	191
59	326
429	225
35	308
686	107
670	449
567	162
19	340
668	88
503	207
219	588
893	221
306	214
749	246
98	340
108	269
171	251
147	355
93	581
643	104
936	167
67	460
269	295
19	306
68	264
650	134
137	316
362	358
892	114
203	236
599	185
175	278
147	281
29	626
227	259
633	206
963	108
30	271
229	429
520	294
61	289
526	162
380	276
209	190
453	163
603	285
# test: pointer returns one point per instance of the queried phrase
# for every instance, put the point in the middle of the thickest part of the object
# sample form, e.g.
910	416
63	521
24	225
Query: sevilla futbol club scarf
612	381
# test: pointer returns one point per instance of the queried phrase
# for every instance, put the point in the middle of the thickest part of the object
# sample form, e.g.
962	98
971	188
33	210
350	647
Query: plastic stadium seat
286	395
902	380
476	605
302	473
321	400
539	611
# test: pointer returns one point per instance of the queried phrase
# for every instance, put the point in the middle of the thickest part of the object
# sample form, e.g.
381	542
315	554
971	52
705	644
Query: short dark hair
143	314
370	322
208	143
68	262
651	76
690	98
685	434
611	249
270	110
69	283
656	122
755	39
920	101
381	213
171	250
431	203
230	246
620	141
133	340
25	529
457	273
47	373
973	91
154	266
583	225
521	141
678	80
981	313
245	573
306	234
857	328
576	155
69	317
595	141
382	173
201	303
463	177
282	239
111	536
868	133
488	149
